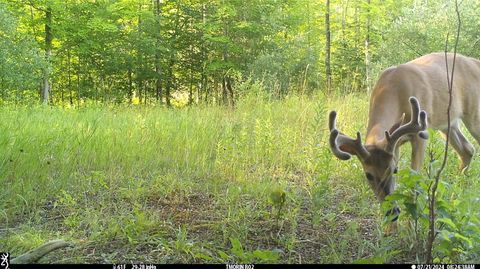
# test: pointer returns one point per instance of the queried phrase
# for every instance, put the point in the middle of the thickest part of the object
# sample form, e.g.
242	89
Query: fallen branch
36	254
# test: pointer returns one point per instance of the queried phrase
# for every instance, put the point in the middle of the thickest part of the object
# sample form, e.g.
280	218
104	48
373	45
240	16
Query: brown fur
424	78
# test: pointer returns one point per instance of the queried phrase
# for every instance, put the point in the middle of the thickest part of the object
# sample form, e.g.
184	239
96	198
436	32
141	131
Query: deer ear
399	123
348	149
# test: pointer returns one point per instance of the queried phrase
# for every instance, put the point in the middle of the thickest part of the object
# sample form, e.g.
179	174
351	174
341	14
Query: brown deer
395	118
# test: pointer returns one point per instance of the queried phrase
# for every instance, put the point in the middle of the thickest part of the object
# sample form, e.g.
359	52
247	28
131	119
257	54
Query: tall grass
187	185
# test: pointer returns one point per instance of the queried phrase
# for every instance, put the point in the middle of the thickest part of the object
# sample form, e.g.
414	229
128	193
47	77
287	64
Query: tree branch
433	192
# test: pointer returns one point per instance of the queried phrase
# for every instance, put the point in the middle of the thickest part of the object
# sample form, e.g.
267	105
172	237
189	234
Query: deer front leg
461	145
419	146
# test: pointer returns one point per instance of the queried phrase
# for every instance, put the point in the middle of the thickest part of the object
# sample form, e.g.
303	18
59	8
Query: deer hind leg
418	152
461	145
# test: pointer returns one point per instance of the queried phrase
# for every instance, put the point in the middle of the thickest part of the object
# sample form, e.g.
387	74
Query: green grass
156	185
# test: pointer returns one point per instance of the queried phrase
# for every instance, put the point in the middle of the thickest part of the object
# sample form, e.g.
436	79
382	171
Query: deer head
380	159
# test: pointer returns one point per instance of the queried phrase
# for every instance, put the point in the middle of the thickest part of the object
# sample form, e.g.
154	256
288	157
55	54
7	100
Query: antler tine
332	120
417	125
423	121
339	140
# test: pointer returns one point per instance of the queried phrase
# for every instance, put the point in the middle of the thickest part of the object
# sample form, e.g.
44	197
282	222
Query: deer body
395	116
425	78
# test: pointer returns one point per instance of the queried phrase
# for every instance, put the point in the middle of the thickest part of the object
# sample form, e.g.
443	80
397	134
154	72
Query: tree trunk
203	79
207	92
48	52
130	85
139	88
78	83
158	66
70	97
169	82
190	93
367	49
62	93
139	64
328	72
224	91
145	92
228	84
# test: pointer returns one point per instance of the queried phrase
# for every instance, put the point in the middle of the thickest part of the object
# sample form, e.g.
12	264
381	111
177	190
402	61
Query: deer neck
383	114
376	135
379	122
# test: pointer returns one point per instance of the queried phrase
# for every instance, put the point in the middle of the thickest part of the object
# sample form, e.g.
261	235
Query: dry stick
431	231
34	255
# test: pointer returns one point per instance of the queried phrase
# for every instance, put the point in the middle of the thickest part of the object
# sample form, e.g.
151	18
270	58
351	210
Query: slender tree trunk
139	64
2	85
48	52
190	93
52	94
203	78
224	79
78	83
217	93
139	88
203	84
158	66
343	75
145	92
228	84
328	72
356	15
130	85
62	93
70	97
169	82
224	91
344	19
367	49
207	92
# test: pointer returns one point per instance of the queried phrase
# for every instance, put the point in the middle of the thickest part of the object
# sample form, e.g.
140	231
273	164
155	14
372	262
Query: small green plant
277	198
457	228
240	255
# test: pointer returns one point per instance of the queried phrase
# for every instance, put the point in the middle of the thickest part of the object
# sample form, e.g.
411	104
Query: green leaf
465	239
412	209
446	235
237	249
448	222
204	256
266	255
372	260
223	255
236	245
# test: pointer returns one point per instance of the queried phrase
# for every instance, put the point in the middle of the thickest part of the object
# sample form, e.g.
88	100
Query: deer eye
395	170
369	176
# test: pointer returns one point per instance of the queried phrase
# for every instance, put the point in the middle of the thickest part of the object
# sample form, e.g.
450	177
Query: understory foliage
180	52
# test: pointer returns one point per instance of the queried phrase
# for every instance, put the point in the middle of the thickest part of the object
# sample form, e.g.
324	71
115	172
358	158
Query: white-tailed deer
395	117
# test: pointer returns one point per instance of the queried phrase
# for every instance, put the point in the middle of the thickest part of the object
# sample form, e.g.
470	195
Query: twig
34	255
433	192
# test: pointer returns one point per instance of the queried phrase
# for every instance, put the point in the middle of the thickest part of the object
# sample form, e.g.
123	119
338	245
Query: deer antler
343	146
417	124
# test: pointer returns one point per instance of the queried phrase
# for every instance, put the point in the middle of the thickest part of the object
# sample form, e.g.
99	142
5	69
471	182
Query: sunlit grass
186	185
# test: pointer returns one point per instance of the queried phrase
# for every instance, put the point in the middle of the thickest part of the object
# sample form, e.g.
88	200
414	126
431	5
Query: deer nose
395	212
